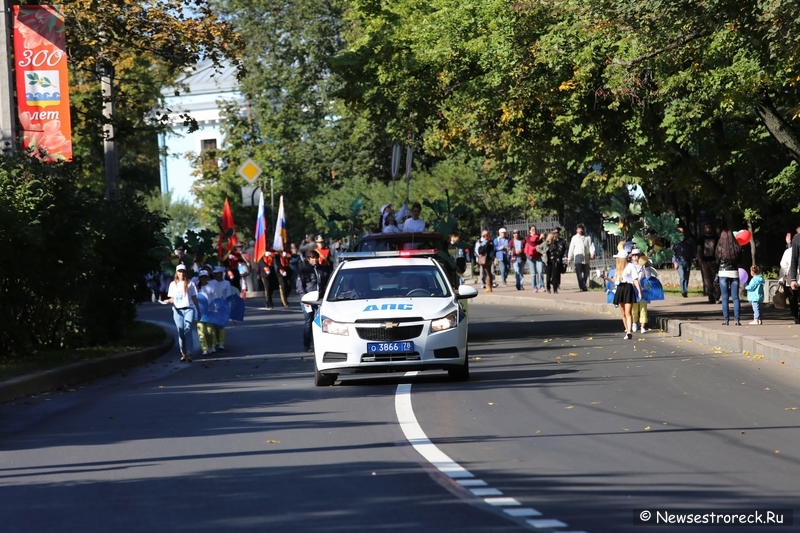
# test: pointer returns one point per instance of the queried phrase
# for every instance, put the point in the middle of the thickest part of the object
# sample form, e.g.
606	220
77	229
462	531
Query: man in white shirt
581	250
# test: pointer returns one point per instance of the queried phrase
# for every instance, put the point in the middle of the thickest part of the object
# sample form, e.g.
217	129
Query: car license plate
390	347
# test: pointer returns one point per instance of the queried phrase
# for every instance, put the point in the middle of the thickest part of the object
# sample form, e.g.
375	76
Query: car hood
385	308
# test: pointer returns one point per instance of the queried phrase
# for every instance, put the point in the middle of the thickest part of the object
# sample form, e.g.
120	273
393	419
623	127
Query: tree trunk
779	128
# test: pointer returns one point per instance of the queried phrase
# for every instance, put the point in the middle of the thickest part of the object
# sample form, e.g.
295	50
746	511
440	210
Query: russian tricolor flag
279	243
261	231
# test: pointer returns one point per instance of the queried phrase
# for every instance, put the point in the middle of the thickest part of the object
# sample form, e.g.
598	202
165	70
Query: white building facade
201	91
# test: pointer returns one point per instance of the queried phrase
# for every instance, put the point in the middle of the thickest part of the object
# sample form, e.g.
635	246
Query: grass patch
141	335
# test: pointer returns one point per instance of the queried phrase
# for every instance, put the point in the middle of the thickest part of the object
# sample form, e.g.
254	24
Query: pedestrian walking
707	259
639	318
502	254
223	290
793	276
518	258
581	251
682	253
312	277
791	295
727	253
484	251
535	252
628	291
755	293
182	294
206	332
269	277
556	248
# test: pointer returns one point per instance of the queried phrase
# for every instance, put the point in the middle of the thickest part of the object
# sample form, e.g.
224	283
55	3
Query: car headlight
333	327
448	322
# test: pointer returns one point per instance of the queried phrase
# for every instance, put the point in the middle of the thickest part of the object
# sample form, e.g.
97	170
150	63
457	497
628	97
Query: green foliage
78	268
181	215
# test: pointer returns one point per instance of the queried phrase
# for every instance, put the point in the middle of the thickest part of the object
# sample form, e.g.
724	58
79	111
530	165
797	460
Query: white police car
390	312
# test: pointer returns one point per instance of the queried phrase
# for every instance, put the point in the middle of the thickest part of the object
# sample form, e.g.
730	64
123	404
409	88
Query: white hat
203	273
384	206
622	254
636	251
180	267
319	238
502	230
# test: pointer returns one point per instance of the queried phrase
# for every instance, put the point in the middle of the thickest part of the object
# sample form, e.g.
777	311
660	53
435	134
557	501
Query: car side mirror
466	291
312	298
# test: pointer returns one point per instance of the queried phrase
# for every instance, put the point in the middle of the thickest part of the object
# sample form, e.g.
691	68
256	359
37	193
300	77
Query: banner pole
8	108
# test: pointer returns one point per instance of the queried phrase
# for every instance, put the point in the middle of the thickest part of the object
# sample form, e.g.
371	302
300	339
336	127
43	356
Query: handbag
779	298
482	260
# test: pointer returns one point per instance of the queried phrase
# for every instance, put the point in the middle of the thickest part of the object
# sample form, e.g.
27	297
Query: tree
148	44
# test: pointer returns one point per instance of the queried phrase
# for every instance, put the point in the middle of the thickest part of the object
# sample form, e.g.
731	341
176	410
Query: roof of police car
383	262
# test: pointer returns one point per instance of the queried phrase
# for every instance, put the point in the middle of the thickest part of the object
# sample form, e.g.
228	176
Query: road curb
728	341
56	378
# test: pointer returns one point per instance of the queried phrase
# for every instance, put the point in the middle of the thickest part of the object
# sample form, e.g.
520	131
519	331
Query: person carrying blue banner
639	308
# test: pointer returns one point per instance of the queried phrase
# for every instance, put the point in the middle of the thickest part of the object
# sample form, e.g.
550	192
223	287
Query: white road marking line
417	438
545	522
427	449
501	502
525	511
472	483
486	492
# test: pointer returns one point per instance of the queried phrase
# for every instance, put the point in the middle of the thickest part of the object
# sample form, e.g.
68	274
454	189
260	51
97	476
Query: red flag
227	227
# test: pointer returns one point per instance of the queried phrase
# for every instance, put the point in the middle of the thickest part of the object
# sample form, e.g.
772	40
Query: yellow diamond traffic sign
250	170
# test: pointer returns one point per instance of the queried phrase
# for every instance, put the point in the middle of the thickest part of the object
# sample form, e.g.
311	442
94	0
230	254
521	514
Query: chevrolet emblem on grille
390	325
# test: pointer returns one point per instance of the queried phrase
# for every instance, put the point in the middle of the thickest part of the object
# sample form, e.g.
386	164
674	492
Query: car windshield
388	282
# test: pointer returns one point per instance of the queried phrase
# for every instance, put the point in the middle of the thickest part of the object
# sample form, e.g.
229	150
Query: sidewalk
778	338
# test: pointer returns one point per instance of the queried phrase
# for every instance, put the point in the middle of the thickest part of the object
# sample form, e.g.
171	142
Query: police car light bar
391	253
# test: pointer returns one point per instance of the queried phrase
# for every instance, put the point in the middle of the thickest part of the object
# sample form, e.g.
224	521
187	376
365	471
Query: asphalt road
561	414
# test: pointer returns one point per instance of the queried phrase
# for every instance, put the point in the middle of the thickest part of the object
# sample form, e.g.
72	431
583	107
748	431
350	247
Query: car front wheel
323	380
461	373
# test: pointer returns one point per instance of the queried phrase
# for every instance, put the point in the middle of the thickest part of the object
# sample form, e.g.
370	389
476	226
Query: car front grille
384	320
402	333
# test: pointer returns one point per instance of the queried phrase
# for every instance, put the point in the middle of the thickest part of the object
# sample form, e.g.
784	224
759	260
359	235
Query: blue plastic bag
237	306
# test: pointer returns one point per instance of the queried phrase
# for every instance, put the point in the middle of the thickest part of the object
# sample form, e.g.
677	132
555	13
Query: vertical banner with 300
40	62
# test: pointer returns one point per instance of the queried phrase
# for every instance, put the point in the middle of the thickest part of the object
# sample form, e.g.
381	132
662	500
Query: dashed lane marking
436	457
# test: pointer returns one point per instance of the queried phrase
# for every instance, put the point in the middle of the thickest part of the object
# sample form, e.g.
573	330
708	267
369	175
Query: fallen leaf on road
625	429
573	354
491	403
791	408
570	407
590	338
647	428
745	352
595	403
271	441
758	356
538	431
767	388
